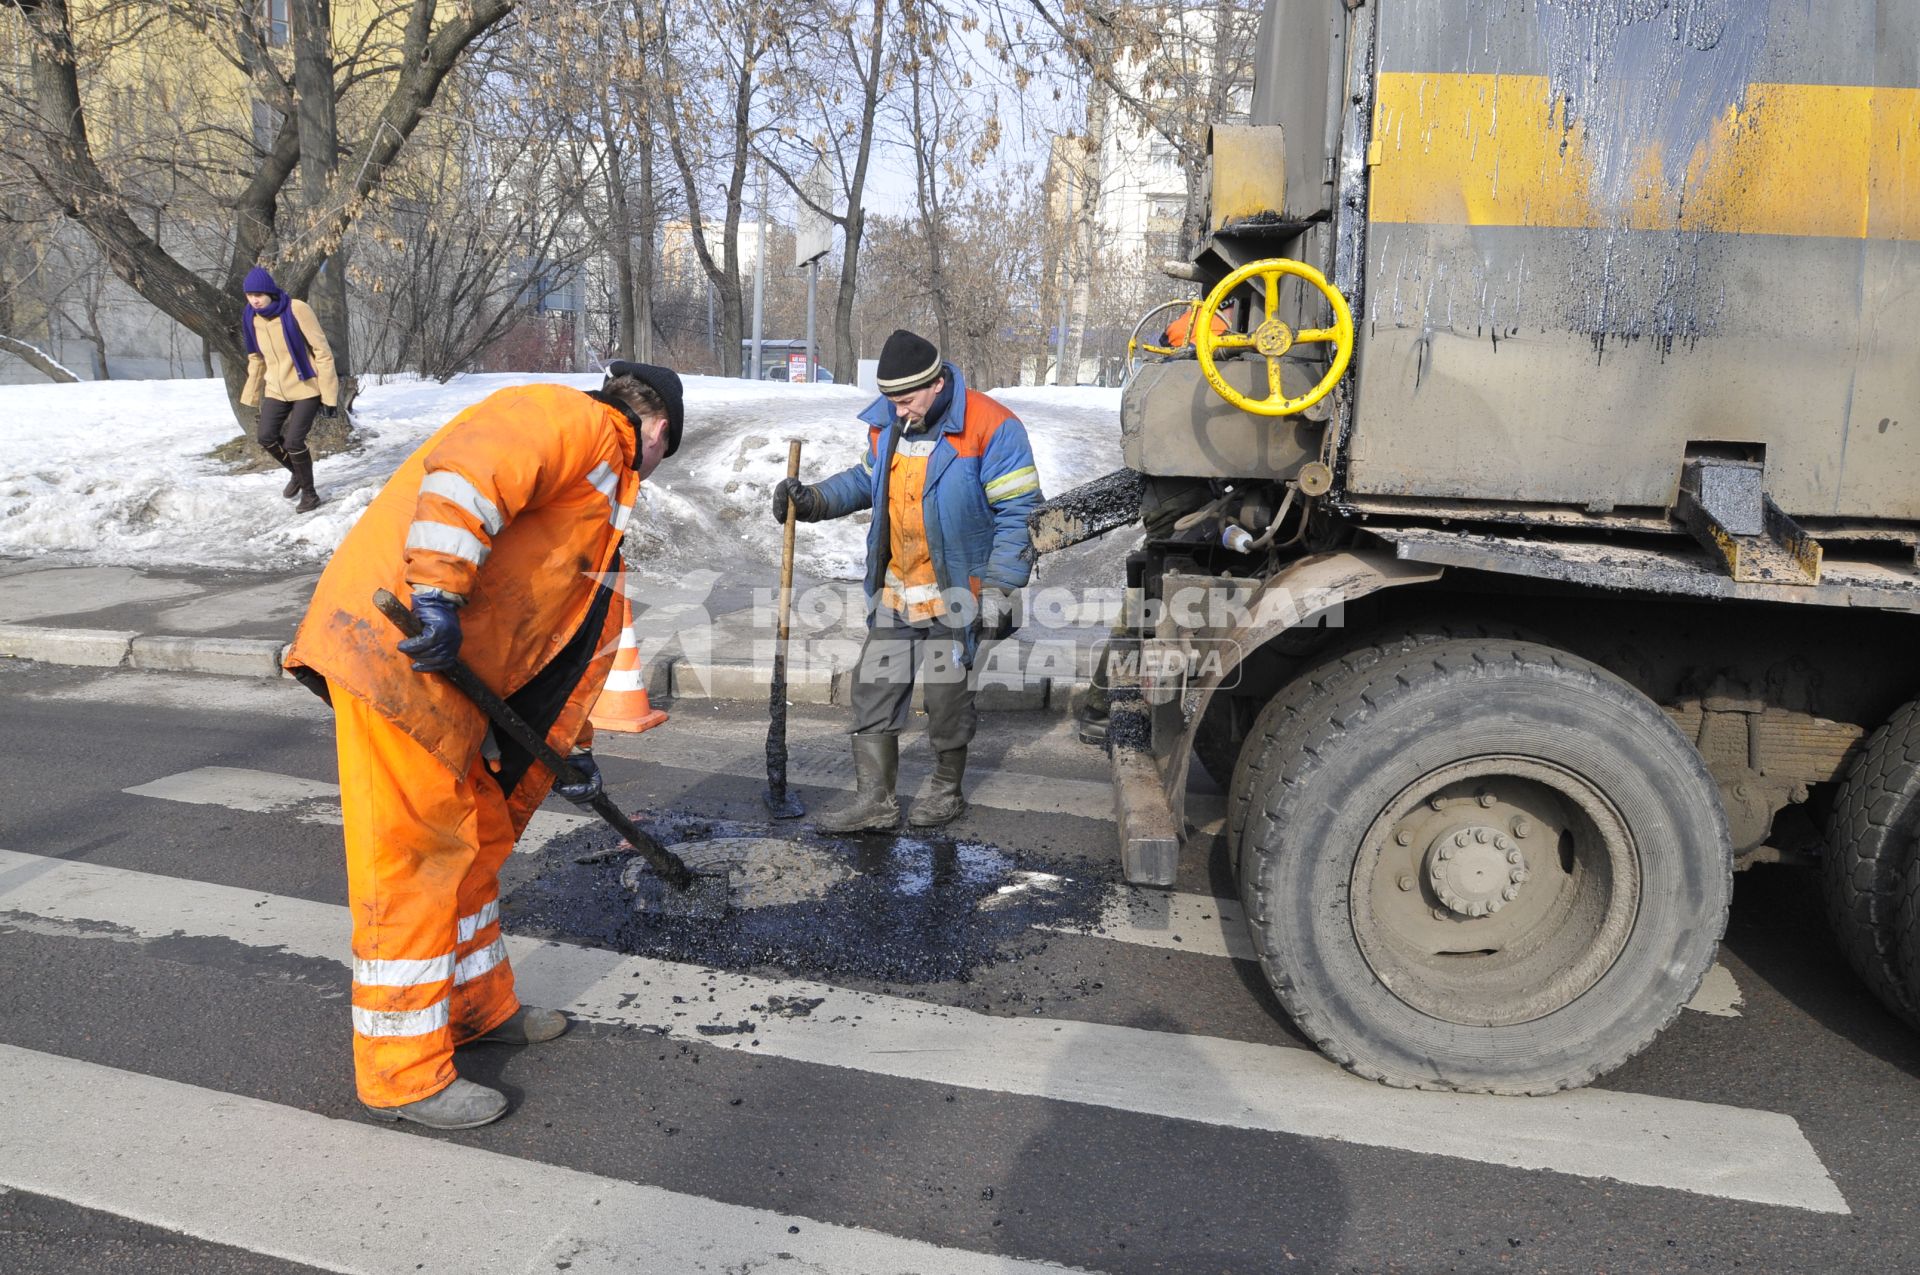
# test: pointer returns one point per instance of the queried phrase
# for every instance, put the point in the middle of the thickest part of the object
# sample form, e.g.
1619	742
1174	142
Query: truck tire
1870	842
1305	694
1483	865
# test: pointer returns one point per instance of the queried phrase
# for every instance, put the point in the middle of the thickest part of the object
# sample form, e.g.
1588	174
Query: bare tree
719	70
394	72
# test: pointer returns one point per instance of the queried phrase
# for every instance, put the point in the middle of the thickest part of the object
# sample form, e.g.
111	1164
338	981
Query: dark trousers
883	681
285	425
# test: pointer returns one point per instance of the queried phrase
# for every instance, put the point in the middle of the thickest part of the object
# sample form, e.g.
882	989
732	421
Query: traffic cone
623	703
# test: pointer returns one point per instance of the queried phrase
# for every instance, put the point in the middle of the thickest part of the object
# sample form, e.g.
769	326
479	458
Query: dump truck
1531	517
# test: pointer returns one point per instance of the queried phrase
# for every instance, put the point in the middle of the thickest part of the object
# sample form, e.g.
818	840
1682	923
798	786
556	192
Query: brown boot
279	453
944	803
876	769
302	465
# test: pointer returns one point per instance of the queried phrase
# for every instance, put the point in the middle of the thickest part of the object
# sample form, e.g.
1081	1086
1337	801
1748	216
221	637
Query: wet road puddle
906	907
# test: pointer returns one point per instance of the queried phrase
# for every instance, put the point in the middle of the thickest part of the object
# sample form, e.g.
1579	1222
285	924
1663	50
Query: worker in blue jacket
950	477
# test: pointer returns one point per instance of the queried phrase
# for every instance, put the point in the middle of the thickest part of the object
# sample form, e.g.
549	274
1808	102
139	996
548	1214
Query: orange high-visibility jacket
517	504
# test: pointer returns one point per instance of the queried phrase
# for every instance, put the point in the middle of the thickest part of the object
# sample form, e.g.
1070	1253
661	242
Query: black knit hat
666	383
908	362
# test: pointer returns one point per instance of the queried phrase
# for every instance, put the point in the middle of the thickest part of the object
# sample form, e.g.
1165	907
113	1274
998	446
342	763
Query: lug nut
1481	835
1403	837
1460	838
1513	856
1486	801
1406	882
1436	803
1522	826
1439	914
1511	893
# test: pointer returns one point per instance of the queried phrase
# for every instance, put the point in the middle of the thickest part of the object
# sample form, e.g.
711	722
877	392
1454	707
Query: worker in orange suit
504	530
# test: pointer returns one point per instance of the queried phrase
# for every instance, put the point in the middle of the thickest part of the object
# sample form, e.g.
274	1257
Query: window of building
274	14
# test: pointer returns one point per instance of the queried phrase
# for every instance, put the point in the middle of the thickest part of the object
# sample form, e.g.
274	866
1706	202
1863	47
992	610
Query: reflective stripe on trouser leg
483	980
411	840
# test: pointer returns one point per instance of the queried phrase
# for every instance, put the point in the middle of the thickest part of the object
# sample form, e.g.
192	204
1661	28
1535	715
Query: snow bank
117	471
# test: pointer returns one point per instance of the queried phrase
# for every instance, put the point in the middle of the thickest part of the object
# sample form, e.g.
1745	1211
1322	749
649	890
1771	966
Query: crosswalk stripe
1705	1148
818	767
308	800
1208	925
1203	924
345	1196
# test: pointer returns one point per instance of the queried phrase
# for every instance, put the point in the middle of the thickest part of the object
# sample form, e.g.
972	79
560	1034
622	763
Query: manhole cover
765	871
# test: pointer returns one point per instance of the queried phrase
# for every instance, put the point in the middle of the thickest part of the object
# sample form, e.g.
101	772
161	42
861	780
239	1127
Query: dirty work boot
302	464
461	1105
527	1026
876	768
944	803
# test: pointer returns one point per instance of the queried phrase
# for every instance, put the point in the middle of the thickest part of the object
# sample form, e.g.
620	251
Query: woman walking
288	358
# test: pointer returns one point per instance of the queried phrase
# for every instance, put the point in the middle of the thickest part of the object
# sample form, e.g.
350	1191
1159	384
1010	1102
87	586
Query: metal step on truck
1531	516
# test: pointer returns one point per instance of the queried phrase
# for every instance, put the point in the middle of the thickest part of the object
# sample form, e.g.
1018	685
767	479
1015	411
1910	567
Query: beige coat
272	369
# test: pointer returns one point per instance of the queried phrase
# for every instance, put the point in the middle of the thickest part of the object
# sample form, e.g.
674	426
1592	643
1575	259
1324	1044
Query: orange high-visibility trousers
424	850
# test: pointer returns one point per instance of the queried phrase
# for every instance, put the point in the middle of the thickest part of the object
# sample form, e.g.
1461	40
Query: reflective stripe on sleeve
477	963
463	493
472	925
607	483
440	537
403	973
415	1022
1017	483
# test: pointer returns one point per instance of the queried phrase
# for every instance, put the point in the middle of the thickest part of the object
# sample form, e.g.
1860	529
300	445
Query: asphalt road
968	1053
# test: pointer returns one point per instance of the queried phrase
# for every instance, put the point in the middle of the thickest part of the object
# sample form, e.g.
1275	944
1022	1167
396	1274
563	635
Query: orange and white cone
623	704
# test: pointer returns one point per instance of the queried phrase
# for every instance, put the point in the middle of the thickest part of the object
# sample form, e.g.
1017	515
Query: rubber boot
279	453
876	769
944	802
527	1026
461	1105
302	462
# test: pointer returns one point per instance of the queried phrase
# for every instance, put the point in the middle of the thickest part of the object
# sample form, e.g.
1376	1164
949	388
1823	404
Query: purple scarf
281	308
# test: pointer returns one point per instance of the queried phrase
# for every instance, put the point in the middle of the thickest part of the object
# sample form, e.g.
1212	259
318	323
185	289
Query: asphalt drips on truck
900	908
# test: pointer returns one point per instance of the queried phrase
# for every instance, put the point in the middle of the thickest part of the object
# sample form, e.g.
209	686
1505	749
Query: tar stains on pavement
913	908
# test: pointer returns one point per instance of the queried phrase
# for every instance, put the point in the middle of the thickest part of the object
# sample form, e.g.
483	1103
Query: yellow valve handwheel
1273	338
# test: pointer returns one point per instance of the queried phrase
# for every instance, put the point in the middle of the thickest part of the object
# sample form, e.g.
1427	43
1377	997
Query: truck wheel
1483	865
1870	842
1305	695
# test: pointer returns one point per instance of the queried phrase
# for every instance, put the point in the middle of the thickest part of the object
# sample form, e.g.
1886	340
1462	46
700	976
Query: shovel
781	803
694	893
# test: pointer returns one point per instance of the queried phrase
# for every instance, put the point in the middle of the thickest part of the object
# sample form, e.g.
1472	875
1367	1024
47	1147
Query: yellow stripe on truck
1827	161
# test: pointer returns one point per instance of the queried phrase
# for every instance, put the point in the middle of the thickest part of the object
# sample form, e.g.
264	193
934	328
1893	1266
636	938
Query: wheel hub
1475	871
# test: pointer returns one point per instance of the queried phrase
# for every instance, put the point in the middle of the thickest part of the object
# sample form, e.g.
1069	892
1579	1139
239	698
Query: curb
672	679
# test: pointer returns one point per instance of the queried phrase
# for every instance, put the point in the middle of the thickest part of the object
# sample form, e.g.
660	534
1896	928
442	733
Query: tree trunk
846	350
643	271
39	359
319	148
1084	229
621	232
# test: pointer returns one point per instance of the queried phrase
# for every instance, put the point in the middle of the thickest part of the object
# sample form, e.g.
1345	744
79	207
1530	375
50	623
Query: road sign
813	231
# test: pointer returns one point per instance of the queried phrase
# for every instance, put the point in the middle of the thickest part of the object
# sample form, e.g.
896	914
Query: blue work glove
807	505
438	646
590	785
